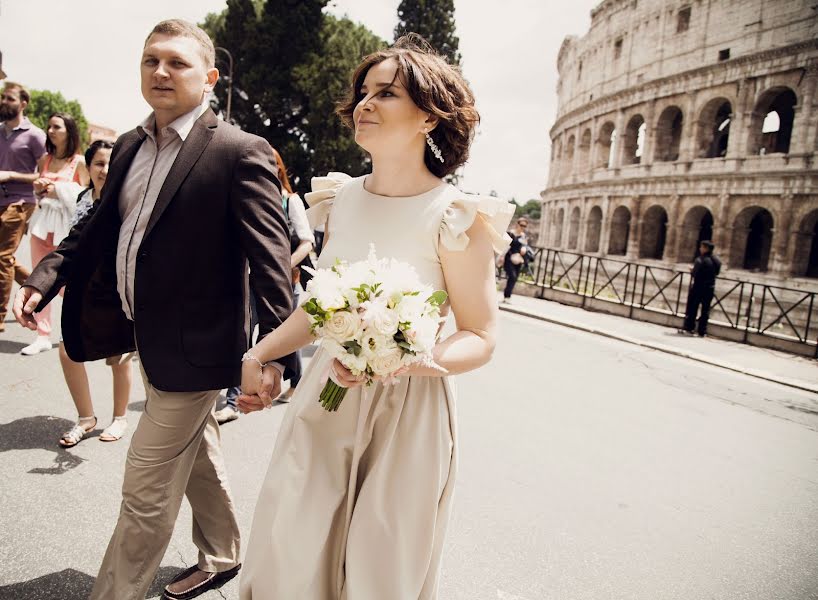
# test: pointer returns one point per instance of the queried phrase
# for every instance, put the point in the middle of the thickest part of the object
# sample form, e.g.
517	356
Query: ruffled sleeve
459	216
322	196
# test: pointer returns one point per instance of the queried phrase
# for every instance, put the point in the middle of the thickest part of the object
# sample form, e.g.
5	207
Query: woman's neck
60	153
95	194
396	176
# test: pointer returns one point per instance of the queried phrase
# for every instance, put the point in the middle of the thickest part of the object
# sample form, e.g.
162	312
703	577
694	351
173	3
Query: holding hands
259	385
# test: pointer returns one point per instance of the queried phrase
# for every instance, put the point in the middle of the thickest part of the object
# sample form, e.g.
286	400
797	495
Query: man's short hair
24	95
179	27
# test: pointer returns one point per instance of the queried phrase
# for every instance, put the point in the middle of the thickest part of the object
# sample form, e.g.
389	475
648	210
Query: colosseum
684	121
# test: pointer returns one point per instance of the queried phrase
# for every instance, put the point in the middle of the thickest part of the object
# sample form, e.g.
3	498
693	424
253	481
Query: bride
356	502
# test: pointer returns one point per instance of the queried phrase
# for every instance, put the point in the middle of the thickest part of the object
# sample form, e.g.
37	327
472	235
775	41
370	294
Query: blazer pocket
211	335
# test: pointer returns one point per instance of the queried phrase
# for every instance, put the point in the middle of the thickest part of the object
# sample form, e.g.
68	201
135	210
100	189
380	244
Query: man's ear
212	78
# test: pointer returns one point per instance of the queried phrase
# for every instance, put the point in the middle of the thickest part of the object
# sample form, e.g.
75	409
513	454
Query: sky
89	50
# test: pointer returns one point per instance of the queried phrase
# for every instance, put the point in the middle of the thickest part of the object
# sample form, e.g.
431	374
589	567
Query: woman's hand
343	376
258	386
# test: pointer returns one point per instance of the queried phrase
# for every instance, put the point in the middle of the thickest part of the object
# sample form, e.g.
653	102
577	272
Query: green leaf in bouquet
438	298
353	347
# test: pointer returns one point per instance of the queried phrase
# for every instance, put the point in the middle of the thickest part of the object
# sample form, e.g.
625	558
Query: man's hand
25	302
259	388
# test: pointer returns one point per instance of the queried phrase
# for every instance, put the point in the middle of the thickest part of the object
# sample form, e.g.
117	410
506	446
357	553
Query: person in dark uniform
705	270
515	256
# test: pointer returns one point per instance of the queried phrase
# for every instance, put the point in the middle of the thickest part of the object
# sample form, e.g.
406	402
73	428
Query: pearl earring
433	147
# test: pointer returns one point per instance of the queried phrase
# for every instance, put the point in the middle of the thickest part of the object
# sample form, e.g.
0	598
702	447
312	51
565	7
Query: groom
162	265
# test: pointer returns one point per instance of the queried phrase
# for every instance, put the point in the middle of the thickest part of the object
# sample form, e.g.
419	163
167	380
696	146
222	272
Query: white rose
380	318
343	326
387	362
410	308
374	344
422	335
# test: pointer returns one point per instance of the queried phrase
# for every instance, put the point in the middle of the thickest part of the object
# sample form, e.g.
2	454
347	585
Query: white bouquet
374	316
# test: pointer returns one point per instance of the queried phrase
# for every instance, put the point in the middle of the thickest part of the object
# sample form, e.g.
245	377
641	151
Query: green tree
45	102
434	20
324	79
531	209
267	43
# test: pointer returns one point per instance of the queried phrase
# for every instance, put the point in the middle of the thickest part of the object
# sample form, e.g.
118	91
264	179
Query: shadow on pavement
10	347
70	584
138	406
39	433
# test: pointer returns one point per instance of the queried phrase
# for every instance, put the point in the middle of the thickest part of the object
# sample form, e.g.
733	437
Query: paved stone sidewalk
780	367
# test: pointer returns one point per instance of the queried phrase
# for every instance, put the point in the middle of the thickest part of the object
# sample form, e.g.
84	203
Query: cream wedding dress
355	503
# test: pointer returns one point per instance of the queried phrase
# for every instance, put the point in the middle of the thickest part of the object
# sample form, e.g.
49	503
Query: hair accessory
434	147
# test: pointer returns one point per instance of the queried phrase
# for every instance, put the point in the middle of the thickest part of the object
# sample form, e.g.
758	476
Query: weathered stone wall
683	121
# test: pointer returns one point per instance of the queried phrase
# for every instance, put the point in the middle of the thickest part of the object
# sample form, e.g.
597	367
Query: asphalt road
589	469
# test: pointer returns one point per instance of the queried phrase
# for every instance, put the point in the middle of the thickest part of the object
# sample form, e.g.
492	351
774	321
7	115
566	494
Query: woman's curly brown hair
436	87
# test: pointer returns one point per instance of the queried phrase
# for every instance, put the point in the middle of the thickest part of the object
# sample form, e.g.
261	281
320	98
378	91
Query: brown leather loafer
213	582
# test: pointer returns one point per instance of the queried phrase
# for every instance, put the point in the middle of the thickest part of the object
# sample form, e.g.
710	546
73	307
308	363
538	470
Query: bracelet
247	356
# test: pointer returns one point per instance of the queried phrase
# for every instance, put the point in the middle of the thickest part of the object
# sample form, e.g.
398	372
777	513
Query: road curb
793	383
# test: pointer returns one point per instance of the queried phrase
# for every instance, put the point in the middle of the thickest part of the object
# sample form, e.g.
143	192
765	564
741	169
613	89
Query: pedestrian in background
705	270
302	243
50	224
515	256
22	144
97	157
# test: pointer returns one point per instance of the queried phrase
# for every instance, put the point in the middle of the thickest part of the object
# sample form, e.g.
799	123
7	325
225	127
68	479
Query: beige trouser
175	451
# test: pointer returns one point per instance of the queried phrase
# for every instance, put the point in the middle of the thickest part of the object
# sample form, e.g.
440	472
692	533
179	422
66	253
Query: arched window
620	230
653	233
713	131
806	247
669	134
752	239
593	230
573	229
697	226
772	121
634	140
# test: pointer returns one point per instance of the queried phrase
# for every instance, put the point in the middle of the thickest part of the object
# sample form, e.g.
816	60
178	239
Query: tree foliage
292	64
531	209
45	102
325	79
434	20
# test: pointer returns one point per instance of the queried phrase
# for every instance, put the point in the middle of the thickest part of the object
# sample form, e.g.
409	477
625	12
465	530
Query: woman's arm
300	253
81	176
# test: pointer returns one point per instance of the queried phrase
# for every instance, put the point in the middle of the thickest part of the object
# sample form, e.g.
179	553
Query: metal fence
752	308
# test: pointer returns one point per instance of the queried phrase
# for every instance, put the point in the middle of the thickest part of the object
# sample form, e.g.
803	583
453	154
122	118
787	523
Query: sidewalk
771	365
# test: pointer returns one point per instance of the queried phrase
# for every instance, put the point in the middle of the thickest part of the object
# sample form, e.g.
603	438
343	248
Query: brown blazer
220	207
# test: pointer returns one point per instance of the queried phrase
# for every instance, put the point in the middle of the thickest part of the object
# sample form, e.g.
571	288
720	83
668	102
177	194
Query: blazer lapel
131	143
198	139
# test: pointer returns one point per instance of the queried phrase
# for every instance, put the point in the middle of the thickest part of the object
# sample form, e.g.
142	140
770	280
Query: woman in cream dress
356	502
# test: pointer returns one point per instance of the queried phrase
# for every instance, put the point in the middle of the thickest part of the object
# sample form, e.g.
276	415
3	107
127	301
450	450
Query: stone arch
653	233
605	146
752	239
771	122
669	134
620	230
573	229
697	226
593	230
584	151
805	261
713	128
557	226
634	140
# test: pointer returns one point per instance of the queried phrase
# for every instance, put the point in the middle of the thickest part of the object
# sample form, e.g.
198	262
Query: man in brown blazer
161	266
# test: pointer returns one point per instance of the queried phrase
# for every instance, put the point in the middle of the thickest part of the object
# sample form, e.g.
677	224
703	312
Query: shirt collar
24	125
181	126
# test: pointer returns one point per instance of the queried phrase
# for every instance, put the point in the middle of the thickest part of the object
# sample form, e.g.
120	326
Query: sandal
115	430
73	436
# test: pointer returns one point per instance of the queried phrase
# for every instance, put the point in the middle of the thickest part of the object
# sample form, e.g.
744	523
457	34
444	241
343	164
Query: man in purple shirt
21	145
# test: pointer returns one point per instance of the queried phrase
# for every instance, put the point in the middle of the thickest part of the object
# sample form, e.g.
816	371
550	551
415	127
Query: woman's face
57	132
386	119
98	169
